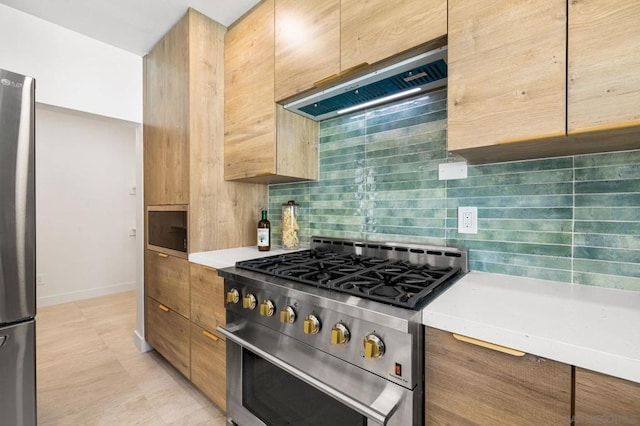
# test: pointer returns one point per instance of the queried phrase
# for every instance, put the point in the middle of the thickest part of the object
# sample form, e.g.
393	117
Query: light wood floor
90	373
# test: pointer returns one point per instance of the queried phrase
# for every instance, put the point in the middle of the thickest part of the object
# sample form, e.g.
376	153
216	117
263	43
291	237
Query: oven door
274	380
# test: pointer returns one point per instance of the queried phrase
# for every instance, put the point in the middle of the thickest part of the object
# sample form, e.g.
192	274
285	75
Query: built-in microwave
167	229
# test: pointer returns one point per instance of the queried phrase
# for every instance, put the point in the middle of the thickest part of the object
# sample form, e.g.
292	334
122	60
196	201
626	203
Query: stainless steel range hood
420	73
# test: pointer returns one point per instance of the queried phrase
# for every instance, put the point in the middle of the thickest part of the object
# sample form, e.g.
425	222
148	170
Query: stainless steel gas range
332	335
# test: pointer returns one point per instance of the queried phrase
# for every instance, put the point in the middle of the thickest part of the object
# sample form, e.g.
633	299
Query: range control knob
249	301
311	325
267	308
233	296
339	334
373	346
287	315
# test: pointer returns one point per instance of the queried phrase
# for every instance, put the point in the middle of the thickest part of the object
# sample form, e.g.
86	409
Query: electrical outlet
40	279
468	220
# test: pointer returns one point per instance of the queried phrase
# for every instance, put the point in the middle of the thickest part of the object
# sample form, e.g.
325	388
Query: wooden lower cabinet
168	333
207	297
208	364
468	384
167	280
602	399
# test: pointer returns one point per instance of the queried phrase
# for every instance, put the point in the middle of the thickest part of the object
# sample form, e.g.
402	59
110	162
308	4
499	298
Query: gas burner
400	276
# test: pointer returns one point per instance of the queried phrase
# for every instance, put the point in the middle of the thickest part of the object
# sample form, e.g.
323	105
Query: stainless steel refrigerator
17	250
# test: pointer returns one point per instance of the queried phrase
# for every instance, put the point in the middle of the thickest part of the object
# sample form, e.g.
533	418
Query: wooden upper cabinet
604	64
374	30
307	46
249	99
468	384
166	124
255	149
507	72
602	397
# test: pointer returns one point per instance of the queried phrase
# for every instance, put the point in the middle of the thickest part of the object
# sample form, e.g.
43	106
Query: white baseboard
84	294
140	343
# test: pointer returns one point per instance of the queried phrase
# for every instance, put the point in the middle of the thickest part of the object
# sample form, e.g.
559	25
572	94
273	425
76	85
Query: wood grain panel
307	44
168	333
209	364
167	281
376	29
207	297
206	133
467	384
602	399
249	110
604	64
298	139
222	214
254	151
166	131
507	71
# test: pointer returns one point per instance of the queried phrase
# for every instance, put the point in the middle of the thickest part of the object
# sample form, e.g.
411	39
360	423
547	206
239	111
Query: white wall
77	73
71	70
85	169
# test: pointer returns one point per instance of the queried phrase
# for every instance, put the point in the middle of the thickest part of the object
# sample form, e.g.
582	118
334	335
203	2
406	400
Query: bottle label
263	237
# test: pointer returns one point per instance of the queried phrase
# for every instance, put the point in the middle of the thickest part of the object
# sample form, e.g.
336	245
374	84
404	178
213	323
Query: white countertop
590	327
228	257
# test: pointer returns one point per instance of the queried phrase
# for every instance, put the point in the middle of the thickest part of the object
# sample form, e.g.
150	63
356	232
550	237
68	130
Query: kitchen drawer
168	333
207	297
208	364
466	383
167	281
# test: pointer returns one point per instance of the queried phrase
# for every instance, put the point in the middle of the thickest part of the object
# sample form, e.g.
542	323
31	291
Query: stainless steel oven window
278	398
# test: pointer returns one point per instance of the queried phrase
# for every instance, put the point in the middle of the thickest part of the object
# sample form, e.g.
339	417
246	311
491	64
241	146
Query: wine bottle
264	233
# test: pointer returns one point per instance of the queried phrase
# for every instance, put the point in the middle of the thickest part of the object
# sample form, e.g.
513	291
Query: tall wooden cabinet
183	111
490	385
166	124
263	142
183	165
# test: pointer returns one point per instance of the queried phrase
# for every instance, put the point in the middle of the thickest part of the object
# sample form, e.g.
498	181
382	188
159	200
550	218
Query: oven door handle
364	409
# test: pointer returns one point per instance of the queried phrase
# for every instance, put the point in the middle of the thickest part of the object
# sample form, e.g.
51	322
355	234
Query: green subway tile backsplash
572	219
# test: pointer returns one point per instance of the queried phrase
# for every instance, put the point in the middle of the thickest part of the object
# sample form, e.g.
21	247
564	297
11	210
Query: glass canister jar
290	225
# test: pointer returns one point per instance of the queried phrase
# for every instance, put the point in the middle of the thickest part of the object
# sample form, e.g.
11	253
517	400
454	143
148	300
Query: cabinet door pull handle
552	135
163	308
163	255
488	345
326	80
210	335
353	69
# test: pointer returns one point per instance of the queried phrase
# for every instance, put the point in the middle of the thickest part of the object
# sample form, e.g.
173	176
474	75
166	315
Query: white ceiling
132	25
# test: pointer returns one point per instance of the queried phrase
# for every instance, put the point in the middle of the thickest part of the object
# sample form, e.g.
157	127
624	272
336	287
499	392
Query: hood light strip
378	101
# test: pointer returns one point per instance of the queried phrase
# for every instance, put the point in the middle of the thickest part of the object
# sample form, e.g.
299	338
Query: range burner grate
395	282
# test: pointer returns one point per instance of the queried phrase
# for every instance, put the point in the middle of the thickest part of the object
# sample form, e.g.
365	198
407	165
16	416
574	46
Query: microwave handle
354	404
